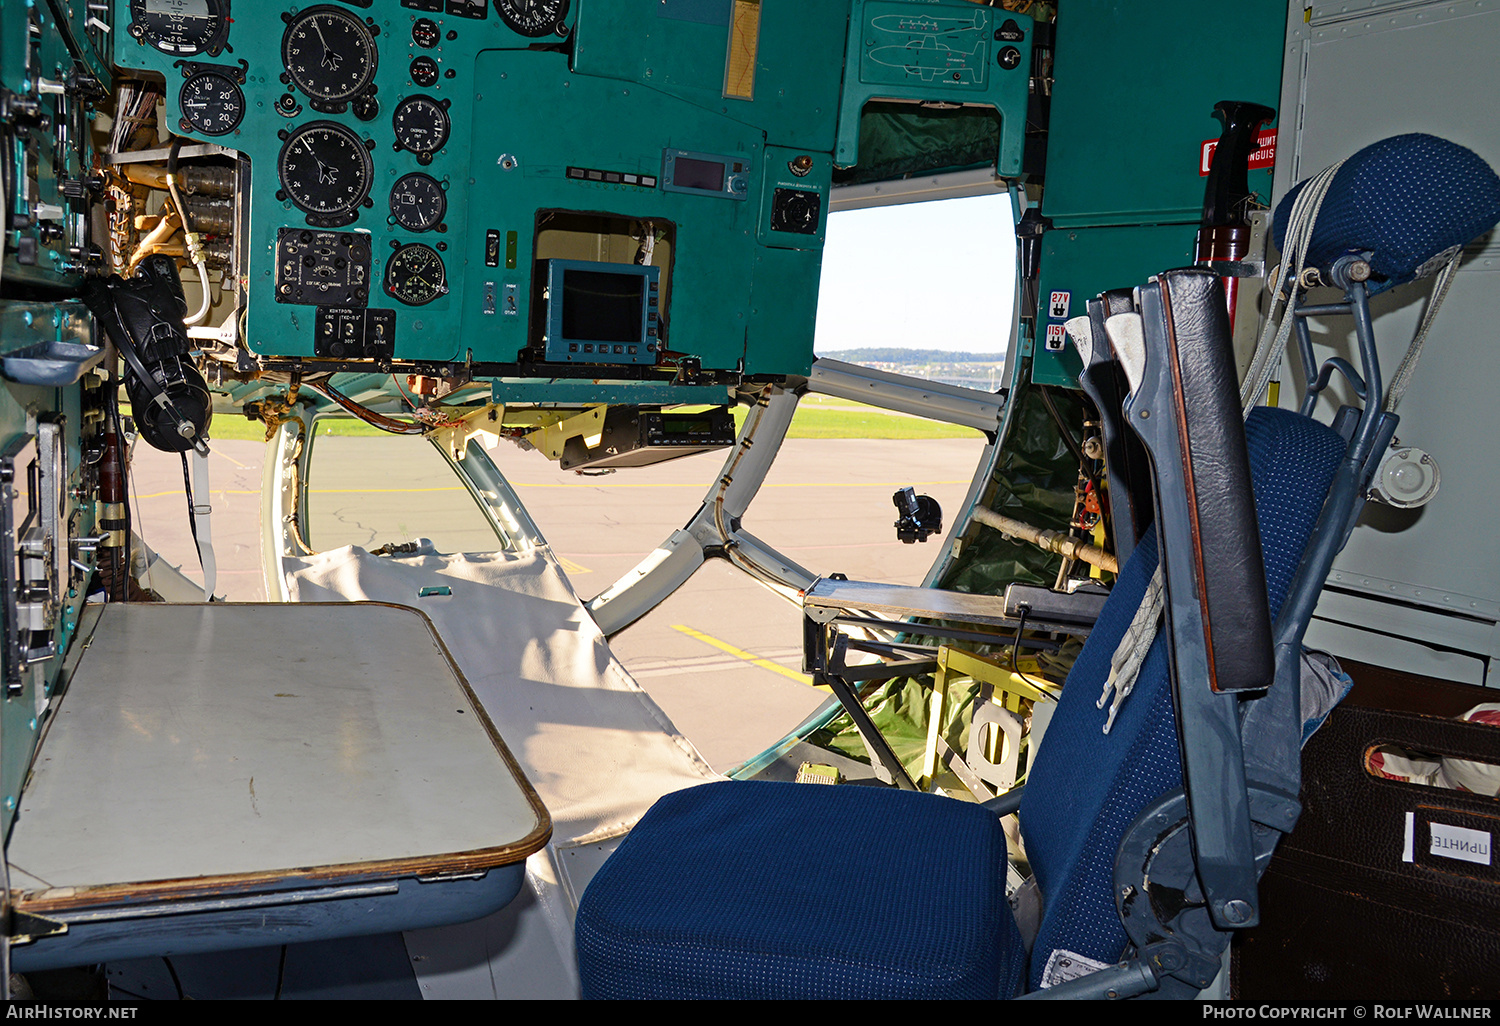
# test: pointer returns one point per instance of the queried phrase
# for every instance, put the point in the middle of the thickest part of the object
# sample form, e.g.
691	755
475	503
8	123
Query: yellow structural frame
1010	690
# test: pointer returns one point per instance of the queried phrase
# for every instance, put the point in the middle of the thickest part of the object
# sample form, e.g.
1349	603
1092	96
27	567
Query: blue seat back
1086	787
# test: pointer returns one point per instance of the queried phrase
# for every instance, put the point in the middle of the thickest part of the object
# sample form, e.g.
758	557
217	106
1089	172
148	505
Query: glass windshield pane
370	491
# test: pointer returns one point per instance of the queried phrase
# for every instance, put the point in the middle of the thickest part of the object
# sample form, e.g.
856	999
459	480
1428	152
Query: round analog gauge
532	18
424	72
425	33
421	126
211	103
418	202
329	53
326	171
414	275
180	27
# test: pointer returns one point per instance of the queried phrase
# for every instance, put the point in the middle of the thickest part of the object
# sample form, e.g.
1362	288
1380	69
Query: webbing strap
1414	351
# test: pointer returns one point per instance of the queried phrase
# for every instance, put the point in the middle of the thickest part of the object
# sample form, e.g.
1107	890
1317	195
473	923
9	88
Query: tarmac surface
722	655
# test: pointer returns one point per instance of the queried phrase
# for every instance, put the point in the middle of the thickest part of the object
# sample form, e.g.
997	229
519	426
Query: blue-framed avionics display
602	313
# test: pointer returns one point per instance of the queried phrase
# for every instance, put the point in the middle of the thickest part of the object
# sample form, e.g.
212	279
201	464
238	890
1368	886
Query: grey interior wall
1357	72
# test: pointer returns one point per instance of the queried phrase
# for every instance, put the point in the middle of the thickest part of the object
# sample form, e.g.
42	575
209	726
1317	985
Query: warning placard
1265	156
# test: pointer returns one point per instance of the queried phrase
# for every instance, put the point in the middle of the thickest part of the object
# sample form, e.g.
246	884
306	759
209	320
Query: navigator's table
221	776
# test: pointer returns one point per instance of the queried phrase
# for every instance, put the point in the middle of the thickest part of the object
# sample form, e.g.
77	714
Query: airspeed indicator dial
415	275
326	171
422	126
533	18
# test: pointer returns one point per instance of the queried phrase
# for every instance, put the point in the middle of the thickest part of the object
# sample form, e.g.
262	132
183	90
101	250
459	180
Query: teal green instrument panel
941	53
1077	265
412	169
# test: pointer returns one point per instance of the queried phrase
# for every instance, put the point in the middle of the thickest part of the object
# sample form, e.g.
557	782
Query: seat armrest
1186	410
1210	536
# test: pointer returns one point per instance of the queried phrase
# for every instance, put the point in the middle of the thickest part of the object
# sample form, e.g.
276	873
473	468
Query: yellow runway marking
317	491
749	657
378	491
571	567
231	459
533	484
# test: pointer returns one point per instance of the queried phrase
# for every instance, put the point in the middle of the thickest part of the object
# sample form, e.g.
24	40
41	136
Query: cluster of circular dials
212	103
414	274
422	126
325	170
534	18
181	29
329	54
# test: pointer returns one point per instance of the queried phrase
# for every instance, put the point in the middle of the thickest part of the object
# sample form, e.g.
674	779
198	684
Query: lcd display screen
602	307
698	174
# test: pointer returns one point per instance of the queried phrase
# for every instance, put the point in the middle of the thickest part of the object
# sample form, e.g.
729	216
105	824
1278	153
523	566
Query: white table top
207	748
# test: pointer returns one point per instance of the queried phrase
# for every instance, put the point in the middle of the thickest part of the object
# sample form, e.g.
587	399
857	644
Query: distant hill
892	355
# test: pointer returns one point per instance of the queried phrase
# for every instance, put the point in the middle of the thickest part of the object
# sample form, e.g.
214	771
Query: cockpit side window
924	289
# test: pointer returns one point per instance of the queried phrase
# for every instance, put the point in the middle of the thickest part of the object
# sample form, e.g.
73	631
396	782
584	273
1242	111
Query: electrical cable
432	419
1067	435
194	240
7	176
176	981
121	587
369	416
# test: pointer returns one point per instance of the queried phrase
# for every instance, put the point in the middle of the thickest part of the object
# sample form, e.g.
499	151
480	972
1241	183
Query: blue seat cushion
751	889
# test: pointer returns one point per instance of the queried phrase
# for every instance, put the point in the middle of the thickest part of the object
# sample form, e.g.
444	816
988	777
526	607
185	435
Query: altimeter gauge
534	18
418	202
415	275
328	53
325	170
181	27
211	103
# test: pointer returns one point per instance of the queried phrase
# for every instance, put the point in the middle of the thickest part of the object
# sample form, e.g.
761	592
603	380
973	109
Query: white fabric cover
594	745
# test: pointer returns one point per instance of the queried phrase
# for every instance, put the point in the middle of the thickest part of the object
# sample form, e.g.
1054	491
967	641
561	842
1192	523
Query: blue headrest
1406	199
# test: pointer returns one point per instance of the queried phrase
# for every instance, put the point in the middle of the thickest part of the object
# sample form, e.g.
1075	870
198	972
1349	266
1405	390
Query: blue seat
743	889
748	889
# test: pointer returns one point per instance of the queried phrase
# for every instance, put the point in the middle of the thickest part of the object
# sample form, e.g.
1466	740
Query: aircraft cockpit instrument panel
461	148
